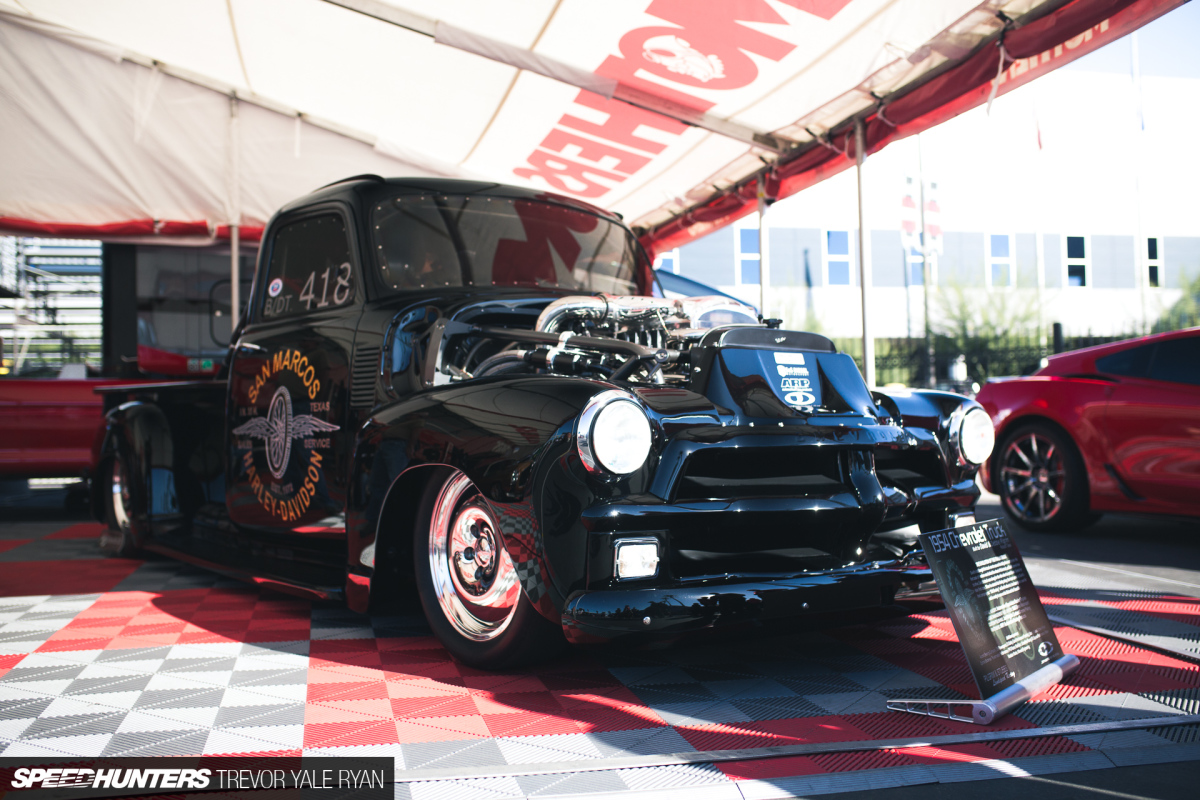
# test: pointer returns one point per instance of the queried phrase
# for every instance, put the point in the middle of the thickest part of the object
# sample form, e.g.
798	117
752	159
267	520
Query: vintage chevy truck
472	390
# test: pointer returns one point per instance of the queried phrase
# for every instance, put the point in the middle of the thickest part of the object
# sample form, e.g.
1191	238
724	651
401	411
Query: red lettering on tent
622	123
625	71
567	176
711	47
593	151
546	226
825	9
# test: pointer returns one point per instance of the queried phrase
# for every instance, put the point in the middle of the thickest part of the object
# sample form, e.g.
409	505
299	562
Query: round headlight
614	434
977	437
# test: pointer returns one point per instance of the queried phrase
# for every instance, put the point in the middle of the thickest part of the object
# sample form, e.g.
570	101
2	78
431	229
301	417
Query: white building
1058	206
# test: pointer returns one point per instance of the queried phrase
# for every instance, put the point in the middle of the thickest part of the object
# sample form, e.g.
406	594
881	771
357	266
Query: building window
1000	251
1077	261
748	256
837	257
916	267
668	261
1153	264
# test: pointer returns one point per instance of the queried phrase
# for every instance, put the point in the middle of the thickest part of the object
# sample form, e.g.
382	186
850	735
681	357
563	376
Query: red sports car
1109	428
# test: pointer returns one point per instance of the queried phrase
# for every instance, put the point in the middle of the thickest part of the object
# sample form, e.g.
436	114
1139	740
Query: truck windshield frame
424	241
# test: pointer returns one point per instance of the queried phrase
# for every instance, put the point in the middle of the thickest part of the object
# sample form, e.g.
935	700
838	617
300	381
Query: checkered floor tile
159	658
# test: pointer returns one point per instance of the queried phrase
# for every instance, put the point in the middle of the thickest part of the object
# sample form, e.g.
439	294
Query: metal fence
906	360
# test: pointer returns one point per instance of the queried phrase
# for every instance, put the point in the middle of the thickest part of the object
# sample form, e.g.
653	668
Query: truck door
288	430
1153	421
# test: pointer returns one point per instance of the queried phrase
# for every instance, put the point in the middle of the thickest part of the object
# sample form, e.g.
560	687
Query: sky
1167	47
1097	169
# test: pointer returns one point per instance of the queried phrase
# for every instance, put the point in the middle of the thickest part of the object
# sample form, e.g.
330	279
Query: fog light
637	558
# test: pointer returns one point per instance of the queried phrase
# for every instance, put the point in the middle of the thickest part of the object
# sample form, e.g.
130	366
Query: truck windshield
433	240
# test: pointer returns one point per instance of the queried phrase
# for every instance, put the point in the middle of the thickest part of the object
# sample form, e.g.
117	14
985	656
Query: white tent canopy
143	118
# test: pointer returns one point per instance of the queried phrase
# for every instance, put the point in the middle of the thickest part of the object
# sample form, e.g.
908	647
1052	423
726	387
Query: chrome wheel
121	502
473	577
1034	478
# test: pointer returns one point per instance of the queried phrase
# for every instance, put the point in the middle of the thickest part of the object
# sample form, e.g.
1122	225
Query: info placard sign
993	604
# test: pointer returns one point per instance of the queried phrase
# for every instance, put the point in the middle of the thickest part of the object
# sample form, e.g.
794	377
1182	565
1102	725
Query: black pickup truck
473	390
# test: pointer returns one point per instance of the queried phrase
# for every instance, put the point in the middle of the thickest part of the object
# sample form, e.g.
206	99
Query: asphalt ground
1156	553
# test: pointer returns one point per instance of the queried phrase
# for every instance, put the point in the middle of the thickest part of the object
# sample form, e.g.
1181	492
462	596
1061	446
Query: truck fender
138	433
932	411
502	434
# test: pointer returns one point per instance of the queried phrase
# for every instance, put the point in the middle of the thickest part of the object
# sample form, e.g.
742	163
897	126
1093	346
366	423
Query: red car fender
1076	405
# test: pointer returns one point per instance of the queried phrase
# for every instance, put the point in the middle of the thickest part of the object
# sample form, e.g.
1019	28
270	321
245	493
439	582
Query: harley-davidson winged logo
280	427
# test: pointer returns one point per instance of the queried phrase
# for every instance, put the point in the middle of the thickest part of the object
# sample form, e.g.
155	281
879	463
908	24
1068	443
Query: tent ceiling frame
875	107
203	81
502	52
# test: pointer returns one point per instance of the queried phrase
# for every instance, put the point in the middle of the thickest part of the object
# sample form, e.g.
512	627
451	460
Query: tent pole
763	275
926	274
235	278
864	257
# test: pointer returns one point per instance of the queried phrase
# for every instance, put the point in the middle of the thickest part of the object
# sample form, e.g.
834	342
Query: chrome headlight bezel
962	438
586	434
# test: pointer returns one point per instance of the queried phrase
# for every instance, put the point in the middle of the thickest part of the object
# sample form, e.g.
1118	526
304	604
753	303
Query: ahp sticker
790	364
275	288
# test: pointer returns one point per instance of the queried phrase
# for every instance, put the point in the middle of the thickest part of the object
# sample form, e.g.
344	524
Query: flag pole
864	257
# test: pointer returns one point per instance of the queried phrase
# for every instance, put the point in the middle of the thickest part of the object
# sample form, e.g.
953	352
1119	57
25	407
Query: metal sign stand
985	712
1008	641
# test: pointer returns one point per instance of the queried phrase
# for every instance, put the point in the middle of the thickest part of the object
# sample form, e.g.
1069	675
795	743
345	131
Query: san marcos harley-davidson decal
279	431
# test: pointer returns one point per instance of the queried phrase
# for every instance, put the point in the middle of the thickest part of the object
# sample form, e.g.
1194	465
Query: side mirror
220	310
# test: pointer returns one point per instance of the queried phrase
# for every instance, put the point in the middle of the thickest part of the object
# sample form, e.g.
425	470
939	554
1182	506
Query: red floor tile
82	576
601	719
343	734
765	769
441	729
451	705
769	733
7	662
81	530
529	724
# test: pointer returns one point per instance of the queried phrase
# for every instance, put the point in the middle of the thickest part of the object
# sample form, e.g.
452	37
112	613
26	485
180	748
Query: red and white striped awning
137	118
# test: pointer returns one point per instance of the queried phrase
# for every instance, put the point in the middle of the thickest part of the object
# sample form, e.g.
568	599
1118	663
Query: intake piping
603	308
612	309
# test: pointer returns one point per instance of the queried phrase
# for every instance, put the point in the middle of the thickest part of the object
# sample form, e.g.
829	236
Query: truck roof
368	188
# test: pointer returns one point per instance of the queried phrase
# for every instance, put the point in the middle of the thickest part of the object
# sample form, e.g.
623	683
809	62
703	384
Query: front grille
908	469
729	473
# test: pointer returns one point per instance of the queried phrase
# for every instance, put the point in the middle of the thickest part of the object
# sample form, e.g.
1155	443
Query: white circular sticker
799	399
275	288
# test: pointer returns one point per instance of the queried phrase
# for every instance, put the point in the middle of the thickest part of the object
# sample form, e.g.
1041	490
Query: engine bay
635	339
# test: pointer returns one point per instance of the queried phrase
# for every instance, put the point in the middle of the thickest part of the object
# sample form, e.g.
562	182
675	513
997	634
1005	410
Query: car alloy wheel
1034	478
473	577
1042	479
